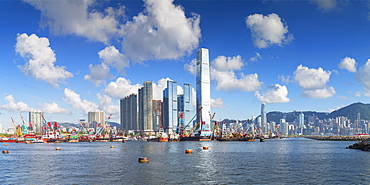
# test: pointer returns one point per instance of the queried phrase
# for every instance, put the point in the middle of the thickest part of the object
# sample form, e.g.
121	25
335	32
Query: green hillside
351	111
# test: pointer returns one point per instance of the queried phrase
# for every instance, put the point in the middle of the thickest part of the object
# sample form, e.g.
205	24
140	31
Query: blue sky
66	58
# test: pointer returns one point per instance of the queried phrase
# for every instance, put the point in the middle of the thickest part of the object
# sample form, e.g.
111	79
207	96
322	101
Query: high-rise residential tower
128	110
170	113
203	88
97	116
146	107
35	117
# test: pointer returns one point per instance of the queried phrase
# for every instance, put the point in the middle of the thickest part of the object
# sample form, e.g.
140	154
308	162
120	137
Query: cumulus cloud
311	78
268	30
77	103
79	18
319	93
313	81
363	76
275	94
110	57
161	31
223	74
217	103
121	88
13	106
41	59
98	74
349	64
106	104
191	67
53	108
325	5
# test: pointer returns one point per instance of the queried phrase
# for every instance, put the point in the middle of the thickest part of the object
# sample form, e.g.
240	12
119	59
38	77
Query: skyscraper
97	116
128	110
35	117
263	117
186	106
157	114
300	123
203	89
170	113
146	107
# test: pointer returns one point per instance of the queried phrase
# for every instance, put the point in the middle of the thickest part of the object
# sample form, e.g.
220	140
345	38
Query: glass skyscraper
186	107
170	113
263	117
203	88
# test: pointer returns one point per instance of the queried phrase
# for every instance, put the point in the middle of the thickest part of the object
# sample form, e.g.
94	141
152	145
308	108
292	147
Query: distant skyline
67	58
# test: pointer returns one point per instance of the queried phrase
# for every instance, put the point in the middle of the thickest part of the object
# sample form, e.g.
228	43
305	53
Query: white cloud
268	30
191	67
41	59
222	63
110	57
284	79
349	64
319	93
314	81
53	108
363	76
77	103
105	104
275	94
98	74
217	103
121	88
311	78
256	57
13	106
79	18
222	73
325	5
161	31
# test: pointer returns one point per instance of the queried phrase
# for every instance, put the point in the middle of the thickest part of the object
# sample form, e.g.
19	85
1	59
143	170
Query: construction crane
191	120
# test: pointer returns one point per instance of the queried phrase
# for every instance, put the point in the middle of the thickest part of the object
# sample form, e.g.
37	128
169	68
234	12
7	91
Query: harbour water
276	161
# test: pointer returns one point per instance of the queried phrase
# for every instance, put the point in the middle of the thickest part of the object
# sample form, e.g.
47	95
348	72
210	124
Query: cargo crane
24	127
101	127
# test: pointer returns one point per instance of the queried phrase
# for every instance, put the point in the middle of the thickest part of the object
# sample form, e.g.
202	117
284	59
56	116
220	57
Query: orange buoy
5	144
5	151
205	148
188	151
112	147
143	159
57	148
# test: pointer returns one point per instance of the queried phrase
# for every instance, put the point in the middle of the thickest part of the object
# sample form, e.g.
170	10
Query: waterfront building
35	117
146	107
170	113
300	123
186	107
157	114
263	117
284	128
203	89
128	113
96	117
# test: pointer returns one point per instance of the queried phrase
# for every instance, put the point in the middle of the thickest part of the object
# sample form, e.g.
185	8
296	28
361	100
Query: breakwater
340	138
362	145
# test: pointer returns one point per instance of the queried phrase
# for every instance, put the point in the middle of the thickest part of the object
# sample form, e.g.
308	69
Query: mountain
351	111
